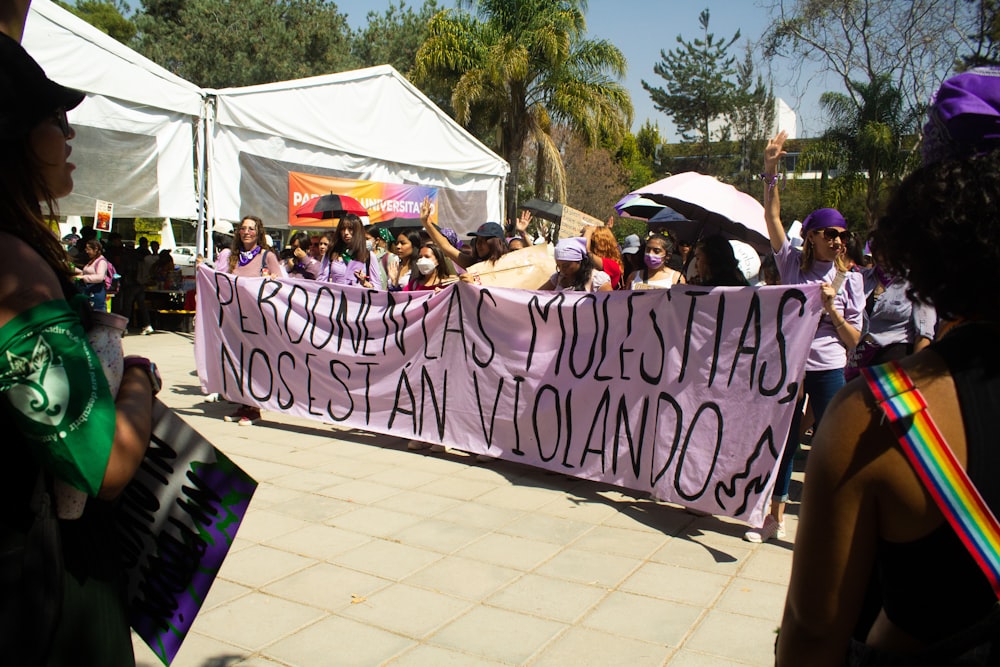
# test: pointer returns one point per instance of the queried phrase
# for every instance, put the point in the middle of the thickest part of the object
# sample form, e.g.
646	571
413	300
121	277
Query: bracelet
771	179
842	323
142	362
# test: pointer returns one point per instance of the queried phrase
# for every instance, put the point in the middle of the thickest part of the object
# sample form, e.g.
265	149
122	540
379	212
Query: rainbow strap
937	467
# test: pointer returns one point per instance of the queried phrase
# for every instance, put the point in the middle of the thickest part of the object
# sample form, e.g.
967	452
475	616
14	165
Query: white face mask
425	265
369	244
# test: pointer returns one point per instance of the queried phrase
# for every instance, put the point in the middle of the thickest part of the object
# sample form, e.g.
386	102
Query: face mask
653	261
425	265
369	244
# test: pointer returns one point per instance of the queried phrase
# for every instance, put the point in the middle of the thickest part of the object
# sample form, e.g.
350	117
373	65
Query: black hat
489	230
27	96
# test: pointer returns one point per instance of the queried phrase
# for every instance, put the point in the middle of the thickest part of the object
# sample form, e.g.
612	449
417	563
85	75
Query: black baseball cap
27	96
489	230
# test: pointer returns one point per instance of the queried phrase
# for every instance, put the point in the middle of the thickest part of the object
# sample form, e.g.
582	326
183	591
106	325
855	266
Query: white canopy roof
138	134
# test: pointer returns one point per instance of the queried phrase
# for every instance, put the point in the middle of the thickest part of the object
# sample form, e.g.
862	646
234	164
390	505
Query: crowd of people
879	574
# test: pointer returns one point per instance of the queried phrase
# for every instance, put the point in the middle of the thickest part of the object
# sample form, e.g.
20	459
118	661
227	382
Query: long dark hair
357	248
416	241
583	275
722	265
21	188
498	248
237	245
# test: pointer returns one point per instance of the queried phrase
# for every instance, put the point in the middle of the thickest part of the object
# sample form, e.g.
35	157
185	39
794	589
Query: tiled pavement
356	551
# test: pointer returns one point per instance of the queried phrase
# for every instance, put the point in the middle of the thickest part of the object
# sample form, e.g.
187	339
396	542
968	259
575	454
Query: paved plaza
357	551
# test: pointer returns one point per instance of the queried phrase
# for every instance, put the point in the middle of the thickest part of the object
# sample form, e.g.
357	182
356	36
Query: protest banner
384	201
177	519
684	393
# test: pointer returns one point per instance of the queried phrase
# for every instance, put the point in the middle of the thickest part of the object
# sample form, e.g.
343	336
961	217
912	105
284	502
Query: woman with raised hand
62	596
348	261
867	513
575	270
820	261
488	242
603	248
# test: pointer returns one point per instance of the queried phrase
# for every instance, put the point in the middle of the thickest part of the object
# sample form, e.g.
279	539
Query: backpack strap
936	465
263	260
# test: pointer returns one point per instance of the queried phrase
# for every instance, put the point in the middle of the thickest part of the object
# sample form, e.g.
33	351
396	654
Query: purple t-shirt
342	273
827	352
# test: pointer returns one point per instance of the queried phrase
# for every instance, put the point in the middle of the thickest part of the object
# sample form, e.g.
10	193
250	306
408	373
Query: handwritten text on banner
686	393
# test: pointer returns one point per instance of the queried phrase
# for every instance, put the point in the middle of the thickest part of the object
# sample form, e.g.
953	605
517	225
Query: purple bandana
246	256
964	117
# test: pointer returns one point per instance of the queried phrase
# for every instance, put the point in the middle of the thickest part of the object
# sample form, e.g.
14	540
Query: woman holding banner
820	261
433	271
249	257
576	271
62	598
348	262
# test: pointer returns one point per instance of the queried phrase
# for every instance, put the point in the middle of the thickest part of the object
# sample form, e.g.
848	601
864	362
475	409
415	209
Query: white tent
136	128
369	124
138	135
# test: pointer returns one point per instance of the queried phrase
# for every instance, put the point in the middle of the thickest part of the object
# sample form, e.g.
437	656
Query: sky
641	28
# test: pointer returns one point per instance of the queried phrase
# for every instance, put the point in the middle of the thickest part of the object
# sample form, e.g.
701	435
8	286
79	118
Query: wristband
142	362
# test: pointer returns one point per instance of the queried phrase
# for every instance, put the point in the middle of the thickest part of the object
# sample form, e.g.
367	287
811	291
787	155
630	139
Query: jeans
820	387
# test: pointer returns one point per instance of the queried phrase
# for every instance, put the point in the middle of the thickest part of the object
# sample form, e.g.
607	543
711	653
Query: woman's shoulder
26	280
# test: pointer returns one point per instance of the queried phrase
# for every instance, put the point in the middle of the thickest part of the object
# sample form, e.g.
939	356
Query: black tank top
932	587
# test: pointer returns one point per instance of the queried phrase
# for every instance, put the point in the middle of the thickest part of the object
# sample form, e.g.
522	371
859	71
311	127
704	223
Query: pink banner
687	394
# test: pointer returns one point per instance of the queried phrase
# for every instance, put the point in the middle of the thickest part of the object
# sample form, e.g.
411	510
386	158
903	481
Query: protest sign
177	519
684	393
527	268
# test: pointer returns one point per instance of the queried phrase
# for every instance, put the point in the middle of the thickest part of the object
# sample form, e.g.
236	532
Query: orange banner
384	201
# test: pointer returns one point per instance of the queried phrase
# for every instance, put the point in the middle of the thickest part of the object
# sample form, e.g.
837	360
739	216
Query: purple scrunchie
964	116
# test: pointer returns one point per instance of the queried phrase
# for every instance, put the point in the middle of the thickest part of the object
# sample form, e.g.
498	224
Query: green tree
394	36
985	49
869	137
915	42
752	117
520	67
222	43
699	87
108	16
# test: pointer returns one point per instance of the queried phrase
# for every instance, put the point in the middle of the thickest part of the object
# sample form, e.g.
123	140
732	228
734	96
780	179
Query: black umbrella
549	210
330	206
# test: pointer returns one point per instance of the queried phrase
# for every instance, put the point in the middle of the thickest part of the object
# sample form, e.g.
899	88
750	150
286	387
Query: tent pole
202	244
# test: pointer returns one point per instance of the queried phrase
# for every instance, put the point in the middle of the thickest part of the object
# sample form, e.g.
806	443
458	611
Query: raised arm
450	251
772	204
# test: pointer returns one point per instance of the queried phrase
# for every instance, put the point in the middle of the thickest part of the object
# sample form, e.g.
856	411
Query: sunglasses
62	122
831	233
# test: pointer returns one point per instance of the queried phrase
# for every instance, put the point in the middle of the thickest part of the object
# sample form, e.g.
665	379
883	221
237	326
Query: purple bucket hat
964	116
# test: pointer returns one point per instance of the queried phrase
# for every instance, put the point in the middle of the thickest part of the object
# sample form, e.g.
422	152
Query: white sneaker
770	530
148	330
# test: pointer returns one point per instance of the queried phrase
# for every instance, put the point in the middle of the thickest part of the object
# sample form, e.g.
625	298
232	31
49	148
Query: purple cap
571	250
822	218
964	117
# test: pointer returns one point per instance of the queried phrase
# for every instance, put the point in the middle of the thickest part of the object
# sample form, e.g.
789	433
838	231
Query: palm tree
522	66
868	126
